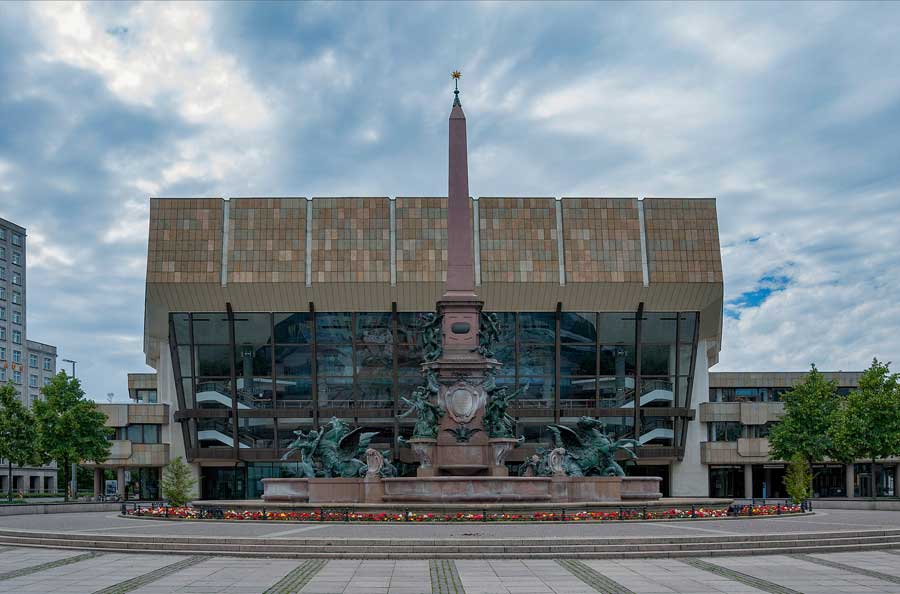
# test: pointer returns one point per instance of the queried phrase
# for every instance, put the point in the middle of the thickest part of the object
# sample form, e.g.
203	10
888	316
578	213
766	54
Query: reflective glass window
538	388
256	432
253	360
506	354
213	393
375	359
578	327
374	328
135	433
615	391
658	359
685	363
184	360
292	328
578	360
724	430
537	360
537	327
409	327
377	392
151	433
253	328
616	328
293	361
213	360
294	392
210	329
335	392
617	359
657	392
334	360
658	327
688	320
577	389
409	358
334	328
182	330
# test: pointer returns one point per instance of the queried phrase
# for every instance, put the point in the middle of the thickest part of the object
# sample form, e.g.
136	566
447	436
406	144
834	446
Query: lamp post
73	365
73	482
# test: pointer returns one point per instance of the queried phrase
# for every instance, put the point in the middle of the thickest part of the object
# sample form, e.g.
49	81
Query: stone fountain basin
467	489
462	489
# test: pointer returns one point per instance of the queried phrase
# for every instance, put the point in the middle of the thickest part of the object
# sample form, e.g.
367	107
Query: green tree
177	482
69	426
798	479
866	425
808	410
17	434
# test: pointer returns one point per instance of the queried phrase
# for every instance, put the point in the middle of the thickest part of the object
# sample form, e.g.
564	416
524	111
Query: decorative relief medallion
462	402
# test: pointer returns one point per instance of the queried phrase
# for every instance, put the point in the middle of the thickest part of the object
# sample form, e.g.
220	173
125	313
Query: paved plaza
43	570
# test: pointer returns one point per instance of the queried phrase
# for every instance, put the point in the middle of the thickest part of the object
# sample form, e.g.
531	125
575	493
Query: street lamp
73	482
73	365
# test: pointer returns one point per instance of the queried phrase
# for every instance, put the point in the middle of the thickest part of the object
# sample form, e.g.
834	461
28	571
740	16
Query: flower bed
339	515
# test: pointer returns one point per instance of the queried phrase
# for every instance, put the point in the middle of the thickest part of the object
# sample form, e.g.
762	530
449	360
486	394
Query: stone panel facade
185	241
421	225
682	240
267	240
602	240
518	240
351	240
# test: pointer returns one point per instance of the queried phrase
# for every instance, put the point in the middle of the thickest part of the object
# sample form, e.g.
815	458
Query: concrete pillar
768	482
897	480
848	474
120	482
748	481
98	482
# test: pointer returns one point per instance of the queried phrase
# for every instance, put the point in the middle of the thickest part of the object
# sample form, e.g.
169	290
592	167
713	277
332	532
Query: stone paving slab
223	574
809	578
88	576
885	562
16	559
665	576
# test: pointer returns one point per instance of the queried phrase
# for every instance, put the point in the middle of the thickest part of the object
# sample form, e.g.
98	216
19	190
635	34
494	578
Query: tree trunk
9	480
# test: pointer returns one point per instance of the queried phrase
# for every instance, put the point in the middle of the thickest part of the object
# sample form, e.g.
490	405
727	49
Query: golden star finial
456	74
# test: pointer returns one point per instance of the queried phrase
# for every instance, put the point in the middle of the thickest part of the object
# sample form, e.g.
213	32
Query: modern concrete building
27	364
140	446
742	407
268	315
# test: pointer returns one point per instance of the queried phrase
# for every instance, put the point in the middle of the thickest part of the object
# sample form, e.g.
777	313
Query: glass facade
247	381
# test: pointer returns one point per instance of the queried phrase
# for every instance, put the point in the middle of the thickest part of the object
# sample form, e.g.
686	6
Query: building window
16	239
48	364
17	377
146	396
3	293
32	360
2	253
33	380
142	433
17	356
2	233
46	381
2	375
17	317
2	273
2	333
16	337
2	313
17	258
724	431
2	353
16	278
16	298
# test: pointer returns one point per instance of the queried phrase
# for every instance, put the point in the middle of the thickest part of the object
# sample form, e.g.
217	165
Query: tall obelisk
459	305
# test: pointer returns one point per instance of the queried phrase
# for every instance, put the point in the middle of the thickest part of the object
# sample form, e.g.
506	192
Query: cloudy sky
789	114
